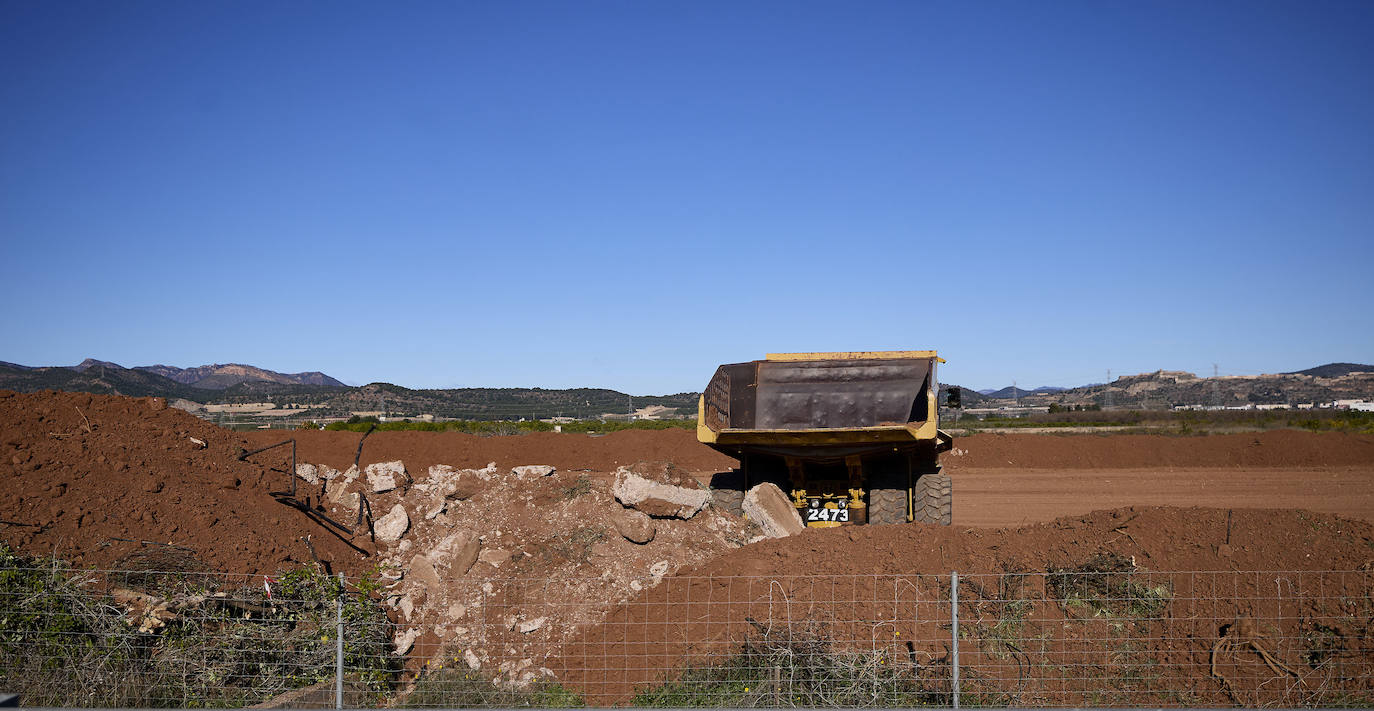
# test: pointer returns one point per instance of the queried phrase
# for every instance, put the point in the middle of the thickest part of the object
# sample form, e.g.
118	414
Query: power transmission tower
1216	388
1108	404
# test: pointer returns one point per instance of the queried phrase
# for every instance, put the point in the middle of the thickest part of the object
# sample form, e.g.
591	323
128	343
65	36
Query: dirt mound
568	452
849	582
1275	448
82	471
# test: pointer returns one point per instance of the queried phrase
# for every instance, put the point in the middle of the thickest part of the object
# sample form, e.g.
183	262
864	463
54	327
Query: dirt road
1014	497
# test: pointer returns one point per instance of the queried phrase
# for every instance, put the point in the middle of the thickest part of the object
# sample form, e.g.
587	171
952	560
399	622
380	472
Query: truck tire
886	506
933	499
727	492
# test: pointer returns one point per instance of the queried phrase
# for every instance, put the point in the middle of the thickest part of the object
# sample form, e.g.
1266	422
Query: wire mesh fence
1103	633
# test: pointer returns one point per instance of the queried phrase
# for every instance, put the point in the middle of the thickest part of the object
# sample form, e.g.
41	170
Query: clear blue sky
626	194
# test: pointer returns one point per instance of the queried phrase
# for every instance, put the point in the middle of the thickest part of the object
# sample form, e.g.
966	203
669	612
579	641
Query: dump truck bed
823	405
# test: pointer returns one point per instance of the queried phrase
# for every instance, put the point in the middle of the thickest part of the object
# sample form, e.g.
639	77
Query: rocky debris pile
497	566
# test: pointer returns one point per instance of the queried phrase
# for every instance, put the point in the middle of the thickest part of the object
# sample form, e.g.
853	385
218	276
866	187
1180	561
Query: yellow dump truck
852	437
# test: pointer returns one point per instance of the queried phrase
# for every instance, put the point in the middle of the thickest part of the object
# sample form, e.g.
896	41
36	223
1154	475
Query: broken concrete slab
308	473
424	575
529	626
393	525
385	476
658	499
533	470
338	489
458	551
766	505
487	473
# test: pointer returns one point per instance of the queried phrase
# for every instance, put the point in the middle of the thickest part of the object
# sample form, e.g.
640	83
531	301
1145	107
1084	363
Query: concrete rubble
385	476
537	551
656	498
767	506
393	525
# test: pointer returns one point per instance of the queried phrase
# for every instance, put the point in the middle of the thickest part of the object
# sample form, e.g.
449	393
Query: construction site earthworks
551	568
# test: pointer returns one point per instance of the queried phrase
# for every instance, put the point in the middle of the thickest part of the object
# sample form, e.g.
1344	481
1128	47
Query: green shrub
796	666
461	687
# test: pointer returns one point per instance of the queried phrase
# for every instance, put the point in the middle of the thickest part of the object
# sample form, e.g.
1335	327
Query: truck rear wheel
886	506
932	499
888	480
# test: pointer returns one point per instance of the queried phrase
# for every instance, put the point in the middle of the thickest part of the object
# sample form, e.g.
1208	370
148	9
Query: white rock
656	498
308	473
659	569
472	659
200	443
392	526
486	473
385	476
337	490
529	626
458	551
767	506
439	473
405	640
494	557
406	606
533	470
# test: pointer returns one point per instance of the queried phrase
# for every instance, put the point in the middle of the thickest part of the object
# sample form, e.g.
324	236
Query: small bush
795	666
1107	584
182	641
461	687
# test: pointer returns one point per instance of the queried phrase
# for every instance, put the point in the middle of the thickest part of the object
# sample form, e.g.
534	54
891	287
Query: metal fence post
338	648
954	626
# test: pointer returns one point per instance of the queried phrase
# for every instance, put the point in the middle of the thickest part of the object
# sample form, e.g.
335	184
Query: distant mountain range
214	377
1168	388
319	395
1011	391
323	396
1334	370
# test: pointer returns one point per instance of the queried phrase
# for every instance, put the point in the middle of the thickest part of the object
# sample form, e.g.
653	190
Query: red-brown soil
1275	448
1278	448
877	588
1011	497
137	475
568	452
